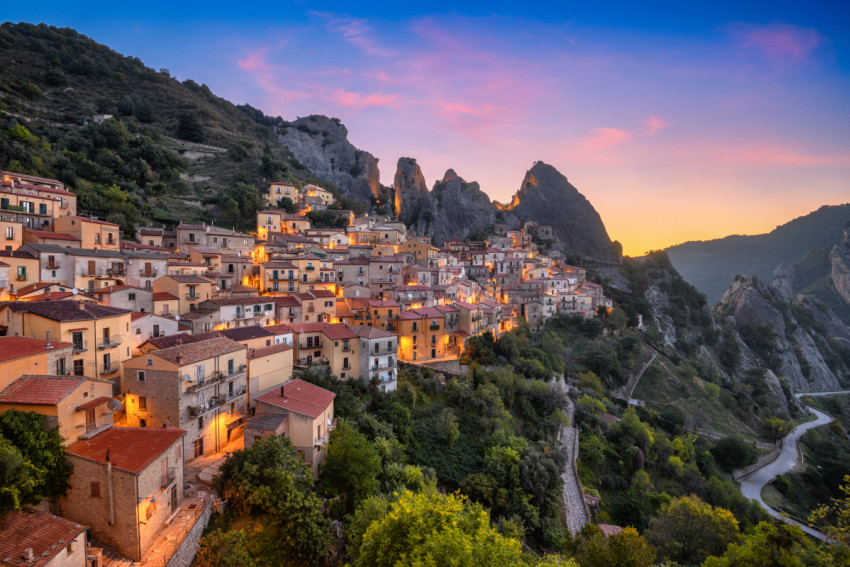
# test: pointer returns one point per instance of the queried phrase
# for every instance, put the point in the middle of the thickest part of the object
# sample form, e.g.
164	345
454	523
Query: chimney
179	357
28	556
282	393
81	305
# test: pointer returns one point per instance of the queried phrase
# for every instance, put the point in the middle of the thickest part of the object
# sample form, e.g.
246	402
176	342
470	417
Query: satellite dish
330	422
114	405
74	291
187	378
177	317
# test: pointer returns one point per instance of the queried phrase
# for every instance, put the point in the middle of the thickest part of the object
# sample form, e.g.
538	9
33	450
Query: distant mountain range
712	265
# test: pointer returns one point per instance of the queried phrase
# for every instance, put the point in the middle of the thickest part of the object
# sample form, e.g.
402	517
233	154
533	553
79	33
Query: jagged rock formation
783	280
548	198
321	144
796	350
839	259
452	209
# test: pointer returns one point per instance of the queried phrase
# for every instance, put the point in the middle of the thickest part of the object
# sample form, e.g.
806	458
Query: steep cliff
839	260
797	338
548	198
321	144
452	209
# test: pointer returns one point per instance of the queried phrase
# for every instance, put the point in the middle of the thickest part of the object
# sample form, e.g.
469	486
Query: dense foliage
33	465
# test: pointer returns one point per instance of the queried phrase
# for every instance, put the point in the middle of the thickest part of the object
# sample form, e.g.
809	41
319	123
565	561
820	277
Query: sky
677	121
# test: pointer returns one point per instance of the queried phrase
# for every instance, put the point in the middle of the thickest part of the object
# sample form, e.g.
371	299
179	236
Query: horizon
677	125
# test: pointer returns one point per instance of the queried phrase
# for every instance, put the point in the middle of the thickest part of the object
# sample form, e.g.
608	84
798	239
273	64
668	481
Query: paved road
574	510
752	484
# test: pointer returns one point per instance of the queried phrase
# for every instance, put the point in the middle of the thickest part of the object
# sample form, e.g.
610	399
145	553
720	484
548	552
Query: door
173	498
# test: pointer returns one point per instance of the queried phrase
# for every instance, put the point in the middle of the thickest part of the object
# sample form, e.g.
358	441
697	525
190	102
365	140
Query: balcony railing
53	265
192	296
110	341
384	366
307	346
112	367
22	277
311	309
201	409
434	327
80	346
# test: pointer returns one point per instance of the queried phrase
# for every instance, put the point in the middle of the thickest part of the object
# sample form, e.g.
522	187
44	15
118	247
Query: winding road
753	483
574	509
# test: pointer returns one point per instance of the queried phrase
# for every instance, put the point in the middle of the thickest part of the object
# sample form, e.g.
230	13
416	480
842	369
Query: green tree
626	549
771	545
288	205
435	529
17	478
352	466
18	133
270	479
447	426
224	549
733	453
189	127
42	448
688	530
836	516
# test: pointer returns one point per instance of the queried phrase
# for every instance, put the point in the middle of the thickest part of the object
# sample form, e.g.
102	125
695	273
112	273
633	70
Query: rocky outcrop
783	280
452	209
795	354
321	144
548	198
839	260
409	188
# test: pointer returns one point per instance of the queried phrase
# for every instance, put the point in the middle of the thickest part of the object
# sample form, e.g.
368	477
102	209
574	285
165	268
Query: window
156	330
143	403
151	510
94	489
78	367
22	273
140	375
230	366
42	208
148	362
77	340
107	363
191	237
60	367
131	296
97	238
10	233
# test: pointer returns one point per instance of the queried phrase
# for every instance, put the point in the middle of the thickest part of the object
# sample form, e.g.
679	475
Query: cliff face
452	209
839	260
547	198
804	333
321	144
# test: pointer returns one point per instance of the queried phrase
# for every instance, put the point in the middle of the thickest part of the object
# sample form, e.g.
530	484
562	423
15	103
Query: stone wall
185	553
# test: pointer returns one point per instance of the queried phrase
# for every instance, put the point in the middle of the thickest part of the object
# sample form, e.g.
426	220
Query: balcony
391	327
324	438
112	367
237	393
201	409
110	341
311	309
115	272
310	345
53	265
169	477
385	366
79	346
192	296
309	269
22	277
434	327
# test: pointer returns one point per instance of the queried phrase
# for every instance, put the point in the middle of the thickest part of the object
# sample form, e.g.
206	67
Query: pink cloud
602	138
779	42
654	124
358	100
355	31
767	155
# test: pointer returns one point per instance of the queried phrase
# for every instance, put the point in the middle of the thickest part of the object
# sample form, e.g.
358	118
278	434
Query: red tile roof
163	296
300	397
19	347
95	221
47	535
266	351
68	310
198	351
367	332
131	449
51	235
94	403
280	329
40	390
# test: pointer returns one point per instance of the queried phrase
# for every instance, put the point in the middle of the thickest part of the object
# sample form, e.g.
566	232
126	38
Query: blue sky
677	121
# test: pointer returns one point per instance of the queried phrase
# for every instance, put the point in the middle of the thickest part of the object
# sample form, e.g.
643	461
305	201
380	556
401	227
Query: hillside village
185	343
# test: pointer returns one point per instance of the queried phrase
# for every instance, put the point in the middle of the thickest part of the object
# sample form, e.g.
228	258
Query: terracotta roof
35	287
94	403
131	449
47	535
266	351
239	300
280	329
366	332
383	303
96	221
300	397
19	347
16	254
51	235
287	301
181	339
267	421
246	333
163	296
320	293
338	331
198	351
56	295
40	390
188	278
68	310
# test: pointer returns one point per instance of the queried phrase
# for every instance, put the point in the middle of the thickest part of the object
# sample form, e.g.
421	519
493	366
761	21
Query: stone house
39	539
126	483
310	418
146	326
200	387
190	291
422	335
378	356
